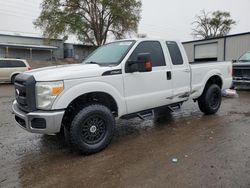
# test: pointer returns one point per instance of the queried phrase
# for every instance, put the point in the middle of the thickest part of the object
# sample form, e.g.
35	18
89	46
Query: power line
26	15
14	31
159	31
161	26
17	15
20	3
20	11
20	8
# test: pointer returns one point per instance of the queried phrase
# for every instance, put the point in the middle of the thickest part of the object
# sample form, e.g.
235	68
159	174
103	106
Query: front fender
71	93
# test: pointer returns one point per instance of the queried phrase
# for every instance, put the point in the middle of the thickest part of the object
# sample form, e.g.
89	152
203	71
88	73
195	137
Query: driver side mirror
142	64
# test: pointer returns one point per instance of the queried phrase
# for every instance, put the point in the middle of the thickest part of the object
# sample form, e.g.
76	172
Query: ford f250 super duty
122	79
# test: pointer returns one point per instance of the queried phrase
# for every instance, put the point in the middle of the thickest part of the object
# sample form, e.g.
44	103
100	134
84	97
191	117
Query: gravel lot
183	149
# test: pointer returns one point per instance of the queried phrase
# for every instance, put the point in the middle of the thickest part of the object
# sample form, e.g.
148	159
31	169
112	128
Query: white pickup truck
122	79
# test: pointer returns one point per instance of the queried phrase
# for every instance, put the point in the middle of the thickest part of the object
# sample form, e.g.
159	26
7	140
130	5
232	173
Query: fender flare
76	91
209	75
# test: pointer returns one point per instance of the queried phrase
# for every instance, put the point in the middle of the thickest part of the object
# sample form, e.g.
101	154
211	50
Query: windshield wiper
101	64
92	62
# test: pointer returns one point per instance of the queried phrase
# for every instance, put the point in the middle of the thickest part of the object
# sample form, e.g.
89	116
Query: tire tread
74	140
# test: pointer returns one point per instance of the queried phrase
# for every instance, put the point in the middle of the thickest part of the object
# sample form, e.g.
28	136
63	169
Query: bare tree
210	25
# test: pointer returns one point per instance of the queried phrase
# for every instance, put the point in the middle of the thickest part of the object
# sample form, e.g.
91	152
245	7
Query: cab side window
175	53
155	50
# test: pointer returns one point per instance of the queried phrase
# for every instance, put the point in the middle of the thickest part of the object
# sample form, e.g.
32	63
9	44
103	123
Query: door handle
186	70
169	75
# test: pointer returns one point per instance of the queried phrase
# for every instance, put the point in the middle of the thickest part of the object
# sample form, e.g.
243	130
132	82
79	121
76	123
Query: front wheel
92	129
209	102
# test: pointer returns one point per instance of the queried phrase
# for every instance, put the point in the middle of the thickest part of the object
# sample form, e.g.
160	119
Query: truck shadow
53	142
124	130
134	127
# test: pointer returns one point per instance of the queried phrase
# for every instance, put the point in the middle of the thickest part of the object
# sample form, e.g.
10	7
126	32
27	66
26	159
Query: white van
9	68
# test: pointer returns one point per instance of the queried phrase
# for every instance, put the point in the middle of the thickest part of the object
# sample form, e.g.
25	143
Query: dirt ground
183	149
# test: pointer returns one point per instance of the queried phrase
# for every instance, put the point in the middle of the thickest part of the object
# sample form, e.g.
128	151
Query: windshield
245	57
109	54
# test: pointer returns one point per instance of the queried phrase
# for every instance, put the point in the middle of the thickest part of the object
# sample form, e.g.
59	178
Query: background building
77	51
35	48
41	49
226	48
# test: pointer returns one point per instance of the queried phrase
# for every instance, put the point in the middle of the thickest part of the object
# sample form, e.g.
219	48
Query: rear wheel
92	129
209	102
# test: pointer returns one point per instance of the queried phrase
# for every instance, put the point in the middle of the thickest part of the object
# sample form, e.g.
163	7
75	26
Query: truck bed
201	71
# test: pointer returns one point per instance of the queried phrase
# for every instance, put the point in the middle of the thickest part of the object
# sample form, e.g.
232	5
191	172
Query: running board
146	114
150	112
174	108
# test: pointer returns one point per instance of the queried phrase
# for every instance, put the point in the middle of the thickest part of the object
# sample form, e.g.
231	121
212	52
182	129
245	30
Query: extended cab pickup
122	79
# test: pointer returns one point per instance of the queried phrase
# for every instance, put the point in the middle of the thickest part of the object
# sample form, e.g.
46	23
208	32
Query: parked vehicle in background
241	72
122	79
10	68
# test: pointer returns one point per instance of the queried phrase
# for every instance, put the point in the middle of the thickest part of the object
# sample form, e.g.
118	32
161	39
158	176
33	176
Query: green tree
210	25
92	21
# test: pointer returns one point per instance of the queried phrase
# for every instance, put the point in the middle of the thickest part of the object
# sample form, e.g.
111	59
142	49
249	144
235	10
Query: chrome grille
25	92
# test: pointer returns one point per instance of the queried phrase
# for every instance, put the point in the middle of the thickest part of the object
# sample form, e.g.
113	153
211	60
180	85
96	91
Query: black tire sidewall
212	89
204	101
75	129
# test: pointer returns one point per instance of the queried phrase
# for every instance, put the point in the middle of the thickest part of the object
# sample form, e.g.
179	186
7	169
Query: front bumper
241	83
43	122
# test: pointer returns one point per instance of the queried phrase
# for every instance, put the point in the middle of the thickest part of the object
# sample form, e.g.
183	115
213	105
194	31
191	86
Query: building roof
22	36
233	35
44	47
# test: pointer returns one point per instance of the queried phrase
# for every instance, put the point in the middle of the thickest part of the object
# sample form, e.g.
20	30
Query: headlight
46	93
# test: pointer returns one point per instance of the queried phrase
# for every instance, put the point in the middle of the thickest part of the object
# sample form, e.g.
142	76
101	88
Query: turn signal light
57	90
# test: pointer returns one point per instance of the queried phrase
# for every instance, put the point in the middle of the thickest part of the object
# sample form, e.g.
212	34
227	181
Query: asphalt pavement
182	149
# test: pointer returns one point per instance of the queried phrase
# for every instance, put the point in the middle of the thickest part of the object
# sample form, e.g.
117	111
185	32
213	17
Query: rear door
180	72
146	90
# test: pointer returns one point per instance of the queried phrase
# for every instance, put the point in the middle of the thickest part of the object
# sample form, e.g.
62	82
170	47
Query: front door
146	90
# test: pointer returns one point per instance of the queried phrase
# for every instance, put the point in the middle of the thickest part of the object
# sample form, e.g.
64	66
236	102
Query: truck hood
65	72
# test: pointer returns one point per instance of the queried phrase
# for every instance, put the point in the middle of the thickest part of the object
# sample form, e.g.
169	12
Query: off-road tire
96	118
209	102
